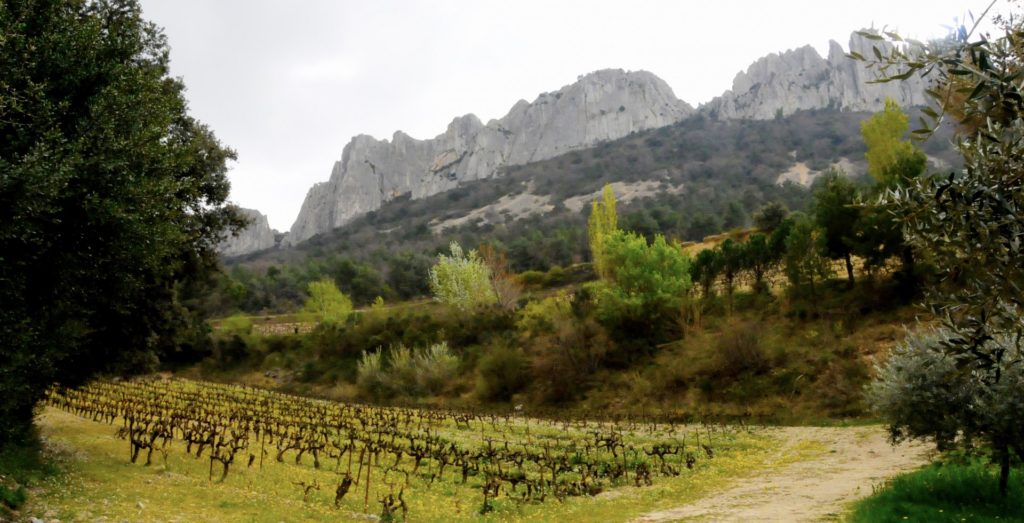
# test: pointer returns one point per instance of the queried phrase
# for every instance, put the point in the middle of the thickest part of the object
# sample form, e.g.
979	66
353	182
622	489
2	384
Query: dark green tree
731	254
646	284
893	162
359	280
702	225
971	226
770	216
835	212
806	261
111	197
777	239
706	268
735	216
407	274
758	259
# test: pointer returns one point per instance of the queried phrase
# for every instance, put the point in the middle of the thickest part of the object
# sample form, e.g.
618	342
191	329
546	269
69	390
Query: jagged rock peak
257	236
603	105
800	79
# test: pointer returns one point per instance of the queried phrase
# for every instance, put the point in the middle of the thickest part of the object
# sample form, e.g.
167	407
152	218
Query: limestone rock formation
600	106
801	79
256	237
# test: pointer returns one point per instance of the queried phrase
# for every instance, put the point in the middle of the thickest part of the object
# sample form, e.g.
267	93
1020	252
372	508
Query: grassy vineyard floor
950	491
98	481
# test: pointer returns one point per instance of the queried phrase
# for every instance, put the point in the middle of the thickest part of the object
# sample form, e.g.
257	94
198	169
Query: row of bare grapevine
528	460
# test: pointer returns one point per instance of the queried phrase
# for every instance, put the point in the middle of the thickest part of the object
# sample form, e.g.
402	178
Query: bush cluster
404	372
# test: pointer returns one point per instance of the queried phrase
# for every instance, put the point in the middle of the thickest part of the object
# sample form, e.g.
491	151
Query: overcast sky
288	83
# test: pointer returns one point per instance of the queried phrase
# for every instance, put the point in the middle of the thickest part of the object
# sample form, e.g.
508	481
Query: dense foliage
963	384
327	304
923	393
645	286
111	199
971	223
462	280
714	176
602	223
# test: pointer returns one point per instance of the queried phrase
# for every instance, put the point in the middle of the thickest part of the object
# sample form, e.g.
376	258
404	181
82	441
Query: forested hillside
686	181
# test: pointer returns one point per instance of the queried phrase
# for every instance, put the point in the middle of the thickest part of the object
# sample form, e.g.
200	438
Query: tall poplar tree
603	221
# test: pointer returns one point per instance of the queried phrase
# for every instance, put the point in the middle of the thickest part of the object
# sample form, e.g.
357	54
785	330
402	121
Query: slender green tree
601	224
706	268
732	256
835	211
806	261
892	159
758	259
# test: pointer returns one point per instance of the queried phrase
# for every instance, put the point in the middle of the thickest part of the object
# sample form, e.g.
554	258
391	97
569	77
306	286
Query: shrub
924	393
274	360
400	375
13	497
236	324
22	467
228	352
533	278
370	374
740	350
556	277
435	367
461	280
403	371
281	343
538	317
501	372
563	359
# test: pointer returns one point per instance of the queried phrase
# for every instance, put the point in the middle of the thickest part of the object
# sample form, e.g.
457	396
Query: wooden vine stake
366	496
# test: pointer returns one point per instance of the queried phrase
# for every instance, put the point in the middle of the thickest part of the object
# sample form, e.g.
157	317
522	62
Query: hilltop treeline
714	177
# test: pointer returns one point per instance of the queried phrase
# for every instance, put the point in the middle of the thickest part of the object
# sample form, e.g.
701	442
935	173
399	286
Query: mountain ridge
800	79
372	172
599	106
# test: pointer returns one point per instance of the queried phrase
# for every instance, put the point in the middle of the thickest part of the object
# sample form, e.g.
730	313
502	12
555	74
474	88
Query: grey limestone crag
600	106
257	236
801	79
604	105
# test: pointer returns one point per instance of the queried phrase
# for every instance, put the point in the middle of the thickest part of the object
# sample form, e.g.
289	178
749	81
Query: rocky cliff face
256	237
604	105
801	79
600	106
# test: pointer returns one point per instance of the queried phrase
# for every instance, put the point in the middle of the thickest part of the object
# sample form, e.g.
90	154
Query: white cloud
329	70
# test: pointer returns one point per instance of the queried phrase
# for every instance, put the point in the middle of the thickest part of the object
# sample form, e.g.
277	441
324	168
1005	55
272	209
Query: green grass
21	466
950	491
99	480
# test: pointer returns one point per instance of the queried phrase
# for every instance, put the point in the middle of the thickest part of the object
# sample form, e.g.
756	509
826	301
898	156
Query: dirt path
814	490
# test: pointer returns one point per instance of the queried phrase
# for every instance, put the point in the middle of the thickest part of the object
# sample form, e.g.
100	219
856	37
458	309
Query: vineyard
344	461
